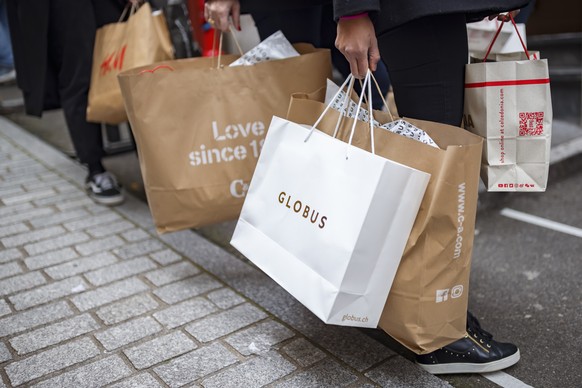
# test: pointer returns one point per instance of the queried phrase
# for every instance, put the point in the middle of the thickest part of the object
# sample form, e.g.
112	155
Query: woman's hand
356	40
216	12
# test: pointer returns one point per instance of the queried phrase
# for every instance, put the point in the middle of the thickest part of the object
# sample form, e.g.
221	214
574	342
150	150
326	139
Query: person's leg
426	62
71	38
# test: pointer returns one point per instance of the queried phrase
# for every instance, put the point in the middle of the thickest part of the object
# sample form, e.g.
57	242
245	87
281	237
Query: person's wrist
355	16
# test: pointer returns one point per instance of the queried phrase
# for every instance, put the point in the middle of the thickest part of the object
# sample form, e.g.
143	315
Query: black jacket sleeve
353	7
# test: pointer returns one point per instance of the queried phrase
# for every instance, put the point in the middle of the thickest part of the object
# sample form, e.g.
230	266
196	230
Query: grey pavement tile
120	270
63	241
99	245
128	332
109	229
25	215
59	218
79	266
399	372
88	222
135	235
9	210
50	258
187	288
32	236
54	334
9	255
349	344
21	282
126	309
95	374
50	292
325	374
11	191
303	352
259	338
196	364
139	381
60	199
159	349
172	273
256	372
10	230
182	313
226	322
108	294
166	257
4	353
74	200
51	360
141	248
225	298
9	269
4	308
29	196
25	320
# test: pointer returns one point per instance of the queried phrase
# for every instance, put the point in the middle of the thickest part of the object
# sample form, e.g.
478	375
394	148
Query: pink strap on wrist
350	17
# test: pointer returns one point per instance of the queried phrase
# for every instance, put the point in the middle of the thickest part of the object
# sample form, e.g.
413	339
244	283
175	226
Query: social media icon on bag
442	295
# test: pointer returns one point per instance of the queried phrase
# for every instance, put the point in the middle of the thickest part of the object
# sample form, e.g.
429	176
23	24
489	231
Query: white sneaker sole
107	201
439	369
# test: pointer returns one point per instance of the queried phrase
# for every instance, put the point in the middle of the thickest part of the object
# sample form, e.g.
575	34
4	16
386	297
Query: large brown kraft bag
199	129
427	305
142	40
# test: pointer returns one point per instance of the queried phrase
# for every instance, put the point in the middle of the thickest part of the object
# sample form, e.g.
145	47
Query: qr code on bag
531	123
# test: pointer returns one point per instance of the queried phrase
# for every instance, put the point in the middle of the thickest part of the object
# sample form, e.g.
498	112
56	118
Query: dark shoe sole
464	367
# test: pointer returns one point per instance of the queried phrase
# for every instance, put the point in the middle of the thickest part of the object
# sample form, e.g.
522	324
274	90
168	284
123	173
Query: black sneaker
104	189
477	352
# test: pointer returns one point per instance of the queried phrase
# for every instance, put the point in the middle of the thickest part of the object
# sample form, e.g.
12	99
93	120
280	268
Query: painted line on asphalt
543	222
504	380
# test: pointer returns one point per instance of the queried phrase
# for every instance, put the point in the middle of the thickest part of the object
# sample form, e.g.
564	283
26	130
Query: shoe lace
105	180
474	328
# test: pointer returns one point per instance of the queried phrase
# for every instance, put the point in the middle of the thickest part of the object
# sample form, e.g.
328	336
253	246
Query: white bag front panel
515	120
329	229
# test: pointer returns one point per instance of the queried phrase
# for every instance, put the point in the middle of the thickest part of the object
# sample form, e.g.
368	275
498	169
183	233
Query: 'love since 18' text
229	153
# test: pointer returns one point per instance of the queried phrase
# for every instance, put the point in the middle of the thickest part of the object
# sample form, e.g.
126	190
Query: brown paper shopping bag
427	305
142	40
508	103
199	129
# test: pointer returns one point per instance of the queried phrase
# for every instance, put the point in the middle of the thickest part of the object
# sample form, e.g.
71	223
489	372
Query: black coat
30	26
388	14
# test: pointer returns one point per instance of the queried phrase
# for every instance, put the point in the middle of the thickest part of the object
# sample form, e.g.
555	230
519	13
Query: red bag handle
156	68
497	34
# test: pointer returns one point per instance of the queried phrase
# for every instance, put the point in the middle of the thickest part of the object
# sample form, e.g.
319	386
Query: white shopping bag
328	221
508	102
480	34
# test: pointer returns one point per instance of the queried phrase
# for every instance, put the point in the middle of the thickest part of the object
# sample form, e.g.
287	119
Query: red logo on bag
114	61
531	123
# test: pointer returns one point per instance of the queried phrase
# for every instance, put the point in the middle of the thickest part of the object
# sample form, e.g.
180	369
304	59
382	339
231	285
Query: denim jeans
6	60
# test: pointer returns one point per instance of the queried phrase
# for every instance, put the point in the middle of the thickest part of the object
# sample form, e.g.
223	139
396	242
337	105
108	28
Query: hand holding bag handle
497	34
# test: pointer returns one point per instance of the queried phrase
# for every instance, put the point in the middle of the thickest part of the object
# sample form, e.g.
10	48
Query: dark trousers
426	61
71	35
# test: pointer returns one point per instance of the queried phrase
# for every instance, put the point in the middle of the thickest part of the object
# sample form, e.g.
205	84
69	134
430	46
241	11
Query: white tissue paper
275	46
400	126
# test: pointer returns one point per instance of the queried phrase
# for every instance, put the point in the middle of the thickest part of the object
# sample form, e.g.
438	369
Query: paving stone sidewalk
92	296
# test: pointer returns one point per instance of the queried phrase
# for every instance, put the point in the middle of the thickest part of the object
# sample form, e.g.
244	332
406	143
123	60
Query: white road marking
504	380
543	222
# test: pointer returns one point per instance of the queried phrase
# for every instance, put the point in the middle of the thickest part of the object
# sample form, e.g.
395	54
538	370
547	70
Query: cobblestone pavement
92	296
